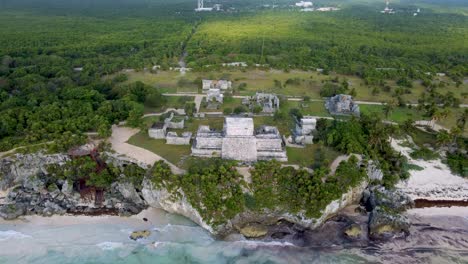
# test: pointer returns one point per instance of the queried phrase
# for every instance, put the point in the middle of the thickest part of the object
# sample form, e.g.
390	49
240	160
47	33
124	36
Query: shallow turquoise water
173	240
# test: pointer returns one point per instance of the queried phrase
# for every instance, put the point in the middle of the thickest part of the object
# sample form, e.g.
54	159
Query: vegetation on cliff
219	192
298	191
87	170
368	136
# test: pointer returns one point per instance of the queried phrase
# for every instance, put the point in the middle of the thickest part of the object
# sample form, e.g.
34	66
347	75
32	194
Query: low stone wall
206	153
177	141
269	144
157	133
176	125
270	155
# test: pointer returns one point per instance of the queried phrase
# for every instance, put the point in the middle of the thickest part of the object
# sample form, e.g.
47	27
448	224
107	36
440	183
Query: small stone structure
235	64
214	98
174	124
158	130
173	139
269	102
207	143
240	141
303	133
342	105
222	85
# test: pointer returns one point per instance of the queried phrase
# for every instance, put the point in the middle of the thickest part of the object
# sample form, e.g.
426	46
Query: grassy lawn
174	154
311	155
307	108
309	83
421	138
229	102
172	102
399	114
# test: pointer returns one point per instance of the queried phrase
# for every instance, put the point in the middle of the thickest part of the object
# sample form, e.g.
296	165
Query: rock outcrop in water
385	207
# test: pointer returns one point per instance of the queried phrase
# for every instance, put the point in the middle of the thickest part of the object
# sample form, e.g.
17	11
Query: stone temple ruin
240	141
159	131
269	102
342	105
303	134
222	85
214	98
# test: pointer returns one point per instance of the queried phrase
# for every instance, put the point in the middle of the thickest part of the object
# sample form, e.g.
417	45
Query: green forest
60	61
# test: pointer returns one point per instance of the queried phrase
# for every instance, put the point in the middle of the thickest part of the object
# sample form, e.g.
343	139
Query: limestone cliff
26	187
161	198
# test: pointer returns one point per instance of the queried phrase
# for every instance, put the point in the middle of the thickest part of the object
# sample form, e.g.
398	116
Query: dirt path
12	151
338	160
177	111
198	101
118	140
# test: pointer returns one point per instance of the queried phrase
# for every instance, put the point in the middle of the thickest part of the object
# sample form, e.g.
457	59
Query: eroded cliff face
161	198
29	192
26	188
22	169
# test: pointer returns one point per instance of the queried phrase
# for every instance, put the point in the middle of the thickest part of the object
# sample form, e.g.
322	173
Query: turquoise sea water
173	240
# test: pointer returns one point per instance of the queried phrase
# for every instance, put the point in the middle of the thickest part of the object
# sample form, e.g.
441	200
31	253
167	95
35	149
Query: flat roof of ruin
158	125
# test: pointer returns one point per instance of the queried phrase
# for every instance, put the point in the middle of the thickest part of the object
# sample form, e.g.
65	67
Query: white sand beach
434	182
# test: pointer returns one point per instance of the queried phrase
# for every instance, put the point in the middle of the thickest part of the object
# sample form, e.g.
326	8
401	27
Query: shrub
240	109
424	153
257	109
227	111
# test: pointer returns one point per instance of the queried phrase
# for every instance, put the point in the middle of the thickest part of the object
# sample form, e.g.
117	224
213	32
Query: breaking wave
110	245
11	234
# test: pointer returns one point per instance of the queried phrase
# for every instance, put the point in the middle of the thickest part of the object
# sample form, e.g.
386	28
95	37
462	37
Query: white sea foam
157	244
110	245
251	243
11	234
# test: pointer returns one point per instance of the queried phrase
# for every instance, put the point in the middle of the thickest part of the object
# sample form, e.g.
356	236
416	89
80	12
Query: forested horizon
43	96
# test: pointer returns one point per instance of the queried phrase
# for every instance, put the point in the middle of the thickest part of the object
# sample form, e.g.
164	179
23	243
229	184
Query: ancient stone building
240	141
223	85
207	143
174	122
214	99
173	139
158	130
342	105
269	102
305	127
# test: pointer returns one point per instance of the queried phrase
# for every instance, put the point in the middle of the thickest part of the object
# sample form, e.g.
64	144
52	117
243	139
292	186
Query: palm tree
455	132
443	138
389	107
461	120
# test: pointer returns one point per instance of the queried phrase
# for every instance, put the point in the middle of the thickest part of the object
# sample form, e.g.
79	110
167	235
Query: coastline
433	182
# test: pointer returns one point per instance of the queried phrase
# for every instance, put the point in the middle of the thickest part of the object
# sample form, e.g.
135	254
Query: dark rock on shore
395	200
384	224
12	211
385	207
32	192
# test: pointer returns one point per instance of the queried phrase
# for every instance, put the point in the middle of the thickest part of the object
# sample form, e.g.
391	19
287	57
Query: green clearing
173	153
171	102
399	114
310	83
228	103
316	155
